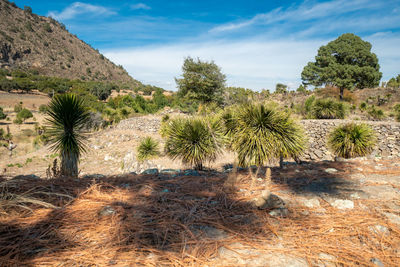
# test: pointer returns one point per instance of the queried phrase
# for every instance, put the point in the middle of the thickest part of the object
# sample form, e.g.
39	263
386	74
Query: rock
393	218
281	212
108	157
172	172
210	232
269	202
106	211
331	170
150	171
379	229
342	204
377	262
311	203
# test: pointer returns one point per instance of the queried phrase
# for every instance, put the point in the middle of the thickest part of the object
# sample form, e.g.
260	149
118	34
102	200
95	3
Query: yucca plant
329	109
67	116
263	133
352	140
194	140
148	148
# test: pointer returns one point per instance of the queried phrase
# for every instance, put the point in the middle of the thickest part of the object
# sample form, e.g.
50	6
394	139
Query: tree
24	114
67	117
394	82
346	62
281	88
2	114
201	80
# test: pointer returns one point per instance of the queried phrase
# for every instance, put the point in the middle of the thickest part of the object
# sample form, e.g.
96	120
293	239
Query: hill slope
29	41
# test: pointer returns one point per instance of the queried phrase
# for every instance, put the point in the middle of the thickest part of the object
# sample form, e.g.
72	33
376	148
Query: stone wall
388	135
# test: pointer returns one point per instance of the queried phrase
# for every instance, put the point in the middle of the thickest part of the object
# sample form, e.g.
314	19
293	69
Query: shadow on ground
143	217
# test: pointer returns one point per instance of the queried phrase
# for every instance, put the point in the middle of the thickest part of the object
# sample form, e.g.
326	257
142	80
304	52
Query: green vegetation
394	82
375	113
24	114
147	149
67	118
194	141
281	88
201	81
260	133
346	62
2	114
352	140
328	109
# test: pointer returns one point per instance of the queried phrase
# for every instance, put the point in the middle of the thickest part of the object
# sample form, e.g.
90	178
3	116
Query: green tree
281	88
2	114
201	80
346	62
24	114
394	82
67	117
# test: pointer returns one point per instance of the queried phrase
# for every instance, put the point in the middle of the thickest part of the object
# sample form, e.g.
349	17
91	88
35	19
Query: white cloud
140	6
304	12
79	8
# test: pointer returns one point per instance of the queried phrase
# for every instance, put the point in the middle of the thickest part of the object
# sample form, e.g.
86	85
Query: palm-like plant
263	133
352	140
329	109
194	140
67	118
147	148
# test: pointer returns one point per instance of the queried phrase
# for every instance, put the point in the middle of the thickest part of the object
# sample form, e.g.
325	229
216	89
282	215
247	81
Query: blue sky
256	43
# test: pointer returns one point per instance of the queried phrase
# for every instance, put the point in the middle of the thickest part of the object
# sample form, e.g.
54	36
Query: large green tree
346	62
201	80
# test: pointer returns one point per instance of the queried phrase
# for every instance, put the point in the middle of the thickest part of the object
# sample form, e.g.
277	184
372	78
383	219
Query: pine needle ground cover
142	220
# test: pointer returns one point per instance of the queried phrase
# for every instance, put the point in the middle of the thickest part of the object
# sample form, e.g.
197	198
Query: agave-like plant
352	140
148	148
329	109
263	133
67	116
194	140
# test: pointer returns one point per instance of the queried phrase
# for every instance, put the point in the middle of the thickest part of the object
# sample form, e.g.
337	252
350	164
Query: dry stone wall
388	136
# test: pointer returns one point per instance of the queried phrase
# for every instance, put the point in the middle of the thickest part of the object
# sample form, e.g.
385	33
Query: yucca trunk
69	164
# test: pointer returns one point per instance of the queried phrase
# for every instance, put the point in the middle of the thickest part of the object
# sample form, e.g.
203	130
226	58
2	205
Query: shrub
43	108
261	133
363	106
165	118
396	109
376	113
329	109
17	121
194	140
2	114
352	140
24	114
148	148
18	107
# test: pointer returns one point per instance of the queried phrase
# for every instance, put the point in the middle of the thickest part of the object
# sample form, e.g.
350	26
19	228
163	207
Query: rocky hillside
29	41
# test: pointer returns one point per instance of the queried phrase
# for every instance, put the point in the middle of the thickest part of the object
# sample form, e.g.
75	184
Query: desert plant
2	114
24	114
352	140
18	107
165	118
261	133
43	108
148	148
396	109
17	121
363	106
67	118
376	113
329	109
194	140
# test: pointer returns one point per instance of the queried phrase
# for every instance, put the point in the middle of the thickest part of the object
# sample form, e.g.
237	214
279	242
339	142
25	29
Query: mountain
42	44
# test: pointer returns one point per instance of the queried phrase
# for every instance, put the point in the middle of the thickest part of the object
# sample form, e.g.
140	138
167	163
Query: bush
352	140
376	113
194	140
43	108
396	109
363	106
165	118
17	121
260	133
24	114
148	148
329	109
2	114
18	107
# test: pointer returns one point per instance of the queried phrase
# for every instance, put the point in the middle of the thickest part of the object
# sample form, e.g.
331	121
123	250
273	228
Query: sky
256	43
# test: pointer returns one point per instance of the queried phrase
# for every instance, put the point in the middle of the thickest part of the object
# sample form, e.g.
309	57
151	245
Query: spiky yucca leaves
352	140
67	116
194	140
148	148
263	133
329	109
